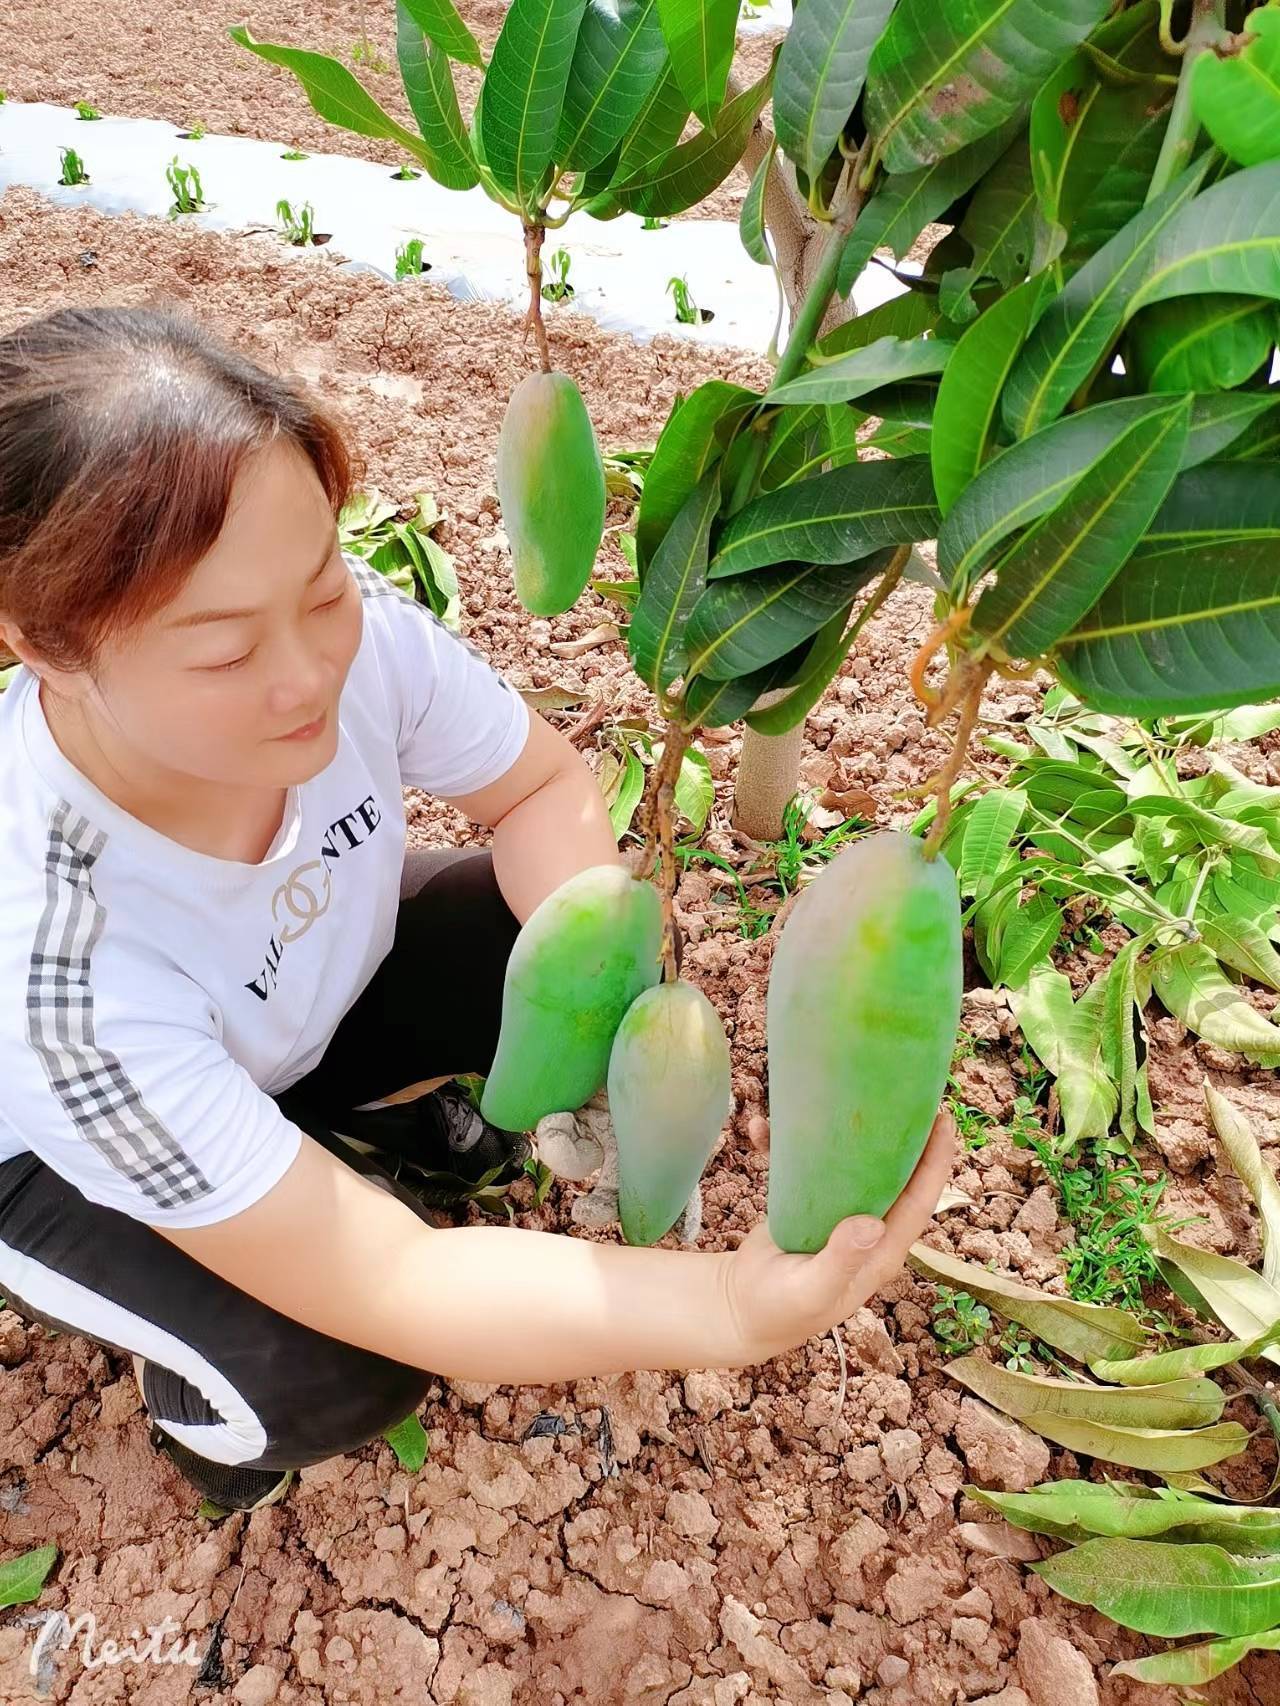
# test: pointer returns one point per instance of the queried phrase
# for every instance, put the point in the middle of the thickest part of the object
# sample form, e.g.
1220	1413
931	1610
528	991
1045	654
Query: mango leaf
1067	1037
1191	1359
743	622
1085	1331
1041	1401
905	316
674	582
1082	321
334	93
22	1578
990	826
1200	343
442	24
711	704
1229	240
655	128
1217	501
999	223
1124	1052
1243	945
1236	95
946	72
408	1439
1237	1297
1077	1510
695	791
751	225
882	363
433	100
830	647
820	74
700	38
1162	1588
1245	1156
1030	934
1058	569
1180	629
523	93
1190	985
1200	1662
1211	829
617	59
832	518
695	435
690	171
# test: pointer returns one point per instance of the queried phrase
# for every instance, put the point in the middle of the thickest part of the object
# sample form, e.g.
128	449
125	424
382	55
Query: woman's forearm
558	831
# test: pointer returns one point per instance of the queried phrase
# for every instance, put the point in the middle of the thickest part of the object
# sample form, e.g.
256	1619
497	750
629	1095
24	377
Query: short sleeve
152	1118
462	725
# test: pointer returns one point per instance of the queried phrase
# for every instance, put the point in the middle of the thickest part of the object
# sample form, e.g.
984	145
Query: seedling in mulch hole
651	222
184	181
687	311
407	171
4	96
73	171
86	109
295	154
295	228
194	134
409	261
559	289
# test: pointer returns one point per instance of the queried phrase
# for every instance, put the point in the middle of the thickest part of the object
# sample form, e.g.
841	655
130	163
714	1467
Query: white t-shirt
159	997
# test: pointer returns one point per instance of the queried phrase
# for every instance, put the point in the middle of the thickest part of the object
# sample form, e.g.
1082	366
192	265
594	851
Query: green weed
558	289
297	228
184	181
687	311
73	171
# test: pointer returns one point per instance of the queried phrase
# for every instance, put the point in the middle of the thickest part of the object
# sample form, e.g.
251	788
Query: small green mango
552	491
578	963
669	1096
862	1010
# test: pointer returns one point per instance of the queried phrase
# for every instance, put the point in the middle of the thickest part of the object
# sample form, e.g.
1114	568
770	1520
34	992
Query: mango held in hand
580	960
551	489
669	1096
862	1011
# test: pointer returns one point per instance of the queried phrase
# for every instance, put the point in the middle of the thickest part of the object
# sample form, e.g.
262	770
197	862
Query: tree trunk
768	772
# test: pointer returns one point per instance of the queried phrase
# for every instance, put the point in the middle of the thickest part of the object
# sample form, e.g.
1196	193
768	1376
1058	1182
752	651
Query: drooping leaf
743	622
1236	95
830	647
1042	1401
1077	1510
1199	1662
1067	1036
1245	1156
751	223
523	93
441	23
990	826
831	518
1200	343
1191	1359
1124	1037
690	171
820	74
1059	568
674	582
1191	985
1161	1588
700	38
433	100
695	436
884	362
1240	1299
617	59
695	791
1030	933
624	791
1243	945
712	704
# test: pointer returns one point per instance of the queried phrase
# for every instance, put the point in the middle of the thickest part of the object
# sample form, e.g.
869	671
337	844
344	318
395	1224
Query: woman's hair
122	431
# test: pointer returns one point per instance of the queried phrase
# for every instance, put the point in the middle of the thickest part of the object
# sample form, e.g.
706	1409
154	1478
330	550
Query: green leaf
946	72
830	647
712	704
1242	944
695	791
1236	94
433	100
1059	568
1081	322
1200	343
1180	629
1042	1401
821	70
441	23
1123	1029
905	316
656	126
1067	1036
629	790
1029	936
408	1439
689	172
674	582
832	518
1076	1510
990	826
22	1578
334	93
700	36
969	395
1216	502
1237	1297
745	621
617	60
1191	1359
1000	221
751	226
1161	1588
1191	986
1200	1662
884	362
523	93
1082	1330
1228	240
1245	1156
697	430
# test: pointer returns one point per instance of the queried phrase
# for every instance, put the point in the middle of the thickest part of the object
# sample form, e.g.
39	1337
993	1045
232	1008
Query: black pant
225	1375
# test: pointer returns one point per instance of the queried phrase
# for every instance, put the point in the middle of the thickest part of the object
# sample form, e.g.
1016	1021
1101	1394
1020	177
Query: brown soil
737	1541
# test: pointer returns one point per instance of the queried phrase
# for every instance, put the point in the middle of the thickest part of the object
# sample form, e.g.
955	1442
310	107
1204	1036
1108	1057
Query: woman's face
256	646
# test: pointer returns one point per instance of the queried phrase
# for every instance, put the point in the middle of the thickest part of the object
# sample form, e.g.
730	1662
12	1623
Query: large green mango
578	963
551	489
862	1011
669	1096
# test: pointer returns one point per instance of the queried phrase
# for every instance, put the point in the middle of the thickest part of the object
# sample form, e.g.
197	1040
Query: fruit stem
534	236
657	816
940	785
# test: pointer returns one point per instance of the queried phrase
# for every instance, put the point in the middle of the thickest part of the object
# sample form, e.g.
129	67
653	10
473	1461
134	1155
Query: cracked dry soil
704	1541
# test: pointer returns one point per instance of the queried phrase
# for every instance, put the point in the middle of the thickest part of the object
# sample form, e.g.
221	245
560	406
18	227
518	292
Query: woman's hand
778	1300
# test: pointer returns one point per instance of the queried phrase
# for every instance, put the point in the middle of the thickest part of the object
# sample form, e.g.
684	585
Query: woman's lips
308	731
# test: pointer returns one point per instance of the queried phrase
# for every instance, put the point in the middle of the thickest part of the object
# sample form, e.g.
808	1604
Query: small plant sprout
406	172
73	171
687	311
4	96
297	228
409	261
184	181
193	133
651	222
86	109
294	154
558	289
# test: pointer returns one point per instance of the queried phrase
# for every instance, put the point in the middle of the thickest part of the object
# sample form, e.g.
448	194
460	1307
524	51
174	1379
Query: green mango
578	963
862	1010
552	491
669	1096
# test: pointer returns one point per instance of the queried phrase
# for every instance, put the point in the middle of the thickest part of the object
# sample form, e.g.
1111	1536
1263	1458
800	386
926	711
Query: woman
230	967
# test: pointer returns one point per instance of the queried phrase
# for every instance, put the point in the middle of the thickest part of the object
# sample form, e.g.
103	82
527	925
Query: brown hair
122	431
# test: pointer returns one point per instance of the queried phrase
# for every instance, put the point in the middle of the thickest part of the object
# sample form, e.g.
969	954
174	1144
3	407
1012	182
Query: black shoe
442	1133
223	1484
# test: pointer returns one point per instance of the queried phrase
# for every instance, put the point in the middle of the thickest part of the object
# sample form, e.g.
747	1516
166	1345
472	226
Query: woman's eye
333	602
234	664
